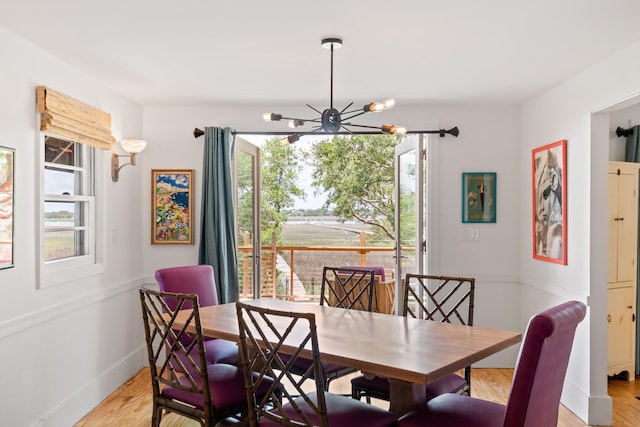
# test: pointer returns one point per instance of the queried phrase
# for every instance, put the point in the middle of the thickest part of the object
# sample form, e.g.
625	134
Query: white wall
577	110
63	349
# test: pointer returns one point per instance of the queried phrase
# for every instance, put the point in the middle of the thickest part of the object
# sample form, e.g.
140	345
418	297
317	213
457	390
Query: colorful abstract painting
172	204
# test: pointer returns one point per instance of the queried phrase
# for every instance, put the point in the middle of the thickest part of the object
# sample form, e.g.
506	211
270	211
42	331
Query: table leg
404	396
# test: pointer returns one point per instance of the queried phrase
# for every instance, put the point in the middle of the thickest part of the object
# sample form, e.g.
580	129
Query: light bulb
394	130
378	106
272	117
290	139
400	130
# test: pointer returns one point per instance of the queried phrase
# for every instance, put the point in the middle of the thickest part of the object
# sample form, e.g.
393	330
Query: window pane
66	214
61	181
65	244
67	219
61	152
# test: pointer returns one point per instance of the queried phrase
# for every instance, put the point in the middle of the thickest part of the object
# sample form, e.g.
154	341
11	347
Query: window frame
64	270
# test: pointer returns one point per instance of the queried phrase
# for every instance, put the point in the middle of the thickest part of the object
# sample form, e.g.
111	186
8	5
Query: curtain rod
623	132
442	132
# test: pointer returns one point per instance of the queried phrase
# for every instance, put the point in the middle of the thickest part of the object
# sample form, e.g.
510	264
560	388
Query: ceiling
268	52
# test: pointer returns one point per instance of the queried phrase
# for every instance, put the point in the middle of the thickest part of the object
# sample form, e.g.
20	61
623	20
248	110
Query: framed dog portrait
172	206
549	202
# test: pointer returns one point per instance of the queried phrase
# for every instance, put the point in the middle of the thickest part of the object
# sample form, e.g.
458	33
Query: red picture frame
549	202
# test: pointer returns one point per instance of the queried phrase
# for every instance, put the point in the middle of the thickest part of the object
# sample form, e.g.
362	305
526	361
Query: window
70	210
68	243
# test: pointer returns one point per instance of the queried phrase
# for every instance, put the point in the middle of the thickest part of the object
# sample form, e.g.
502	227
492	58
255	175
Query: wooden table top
406	349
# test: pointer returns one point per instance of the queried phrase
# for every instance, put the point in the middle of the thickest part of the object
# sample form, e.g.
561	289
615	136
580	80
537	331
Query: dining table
408	352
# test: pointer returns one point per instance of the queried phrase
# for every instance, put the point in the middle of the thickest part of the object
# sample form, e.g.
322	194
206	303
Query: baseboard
600	411
593	410
77	405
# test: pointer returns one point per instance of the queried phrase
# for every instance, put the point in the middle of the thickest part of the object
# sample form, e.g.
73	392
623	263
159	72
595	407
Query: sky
304	179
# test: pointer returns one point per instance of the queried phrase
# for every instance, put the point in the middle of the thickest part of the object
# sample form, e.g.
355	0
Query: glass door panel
409	217
247	183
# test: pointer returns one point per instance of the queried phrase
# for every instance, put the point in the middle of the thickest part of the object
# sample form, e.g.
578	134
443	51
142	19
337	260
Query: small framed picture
549	194
479	197
172	207
6	206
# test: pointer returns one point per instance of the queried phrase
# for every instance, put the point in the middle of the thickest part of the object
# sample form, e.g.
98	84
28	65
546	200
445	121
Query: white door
409	217
247	201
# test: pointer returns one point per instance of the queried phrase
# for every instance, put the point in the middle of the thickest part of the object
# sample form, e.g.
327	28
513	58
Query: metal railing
295	272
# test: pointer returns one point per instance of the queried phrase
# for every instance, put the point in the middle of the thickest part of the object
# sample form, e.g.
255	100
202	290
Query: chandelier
331	120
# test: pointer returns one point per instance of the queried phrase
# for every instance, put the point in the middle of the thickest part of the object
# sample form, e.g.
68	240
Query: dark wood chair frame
349	288
260	354
178	362
444	303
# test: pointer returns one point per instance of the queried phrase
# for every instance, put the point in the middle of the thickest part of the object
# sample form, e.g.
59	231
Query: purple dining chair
181	379
534	399
199	280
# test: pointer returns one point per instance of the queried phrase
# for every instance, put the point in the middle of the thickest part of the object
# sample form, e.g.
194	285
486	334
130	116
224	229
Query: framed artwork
479	197
172	206
549	203
6	206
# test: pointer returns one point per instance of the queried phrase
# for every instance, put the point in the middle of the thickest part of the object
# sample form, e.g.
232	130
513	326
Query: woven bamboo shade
68	118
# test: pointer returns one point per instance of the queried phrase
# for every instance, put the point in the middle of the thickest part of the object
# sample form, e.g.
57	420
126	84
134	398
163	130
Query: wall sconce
131	146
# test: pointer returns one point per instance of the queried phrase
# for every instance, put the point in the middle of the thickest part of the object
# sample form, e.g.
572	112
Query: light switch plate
469	233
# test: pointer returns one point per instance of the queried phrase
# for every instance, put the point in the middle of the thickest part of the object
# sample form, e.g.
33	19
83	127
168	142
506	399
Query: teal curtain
632	149
218	239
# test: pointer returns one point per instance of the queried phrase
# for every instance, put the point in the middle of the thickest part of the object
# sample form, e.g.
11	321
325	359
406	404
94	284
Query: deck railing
298	274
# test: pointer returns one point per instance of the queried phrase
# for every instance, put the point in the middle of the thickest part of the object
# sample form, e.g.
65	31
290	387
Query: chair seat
330	370
302	364
226	383
221	351
379	387
342	412
455	410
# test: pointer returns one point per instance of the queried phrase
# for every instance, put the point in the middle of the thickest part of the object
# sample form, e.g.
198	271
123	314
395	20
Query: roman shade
65	117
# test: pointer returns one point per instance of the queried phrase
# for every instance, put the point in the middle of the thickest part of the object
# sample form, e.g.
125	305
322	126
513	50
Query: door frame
415	150
244	146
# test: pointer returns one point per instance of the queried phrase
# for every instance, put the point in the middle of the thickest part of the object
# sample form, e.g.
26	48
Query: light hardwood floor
130	405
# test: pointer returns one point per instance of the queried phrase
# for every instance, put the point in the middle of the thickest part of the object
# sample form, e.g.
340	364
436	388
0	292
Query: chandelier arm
359	113
345	108
296	118
362	126
314	109
346	129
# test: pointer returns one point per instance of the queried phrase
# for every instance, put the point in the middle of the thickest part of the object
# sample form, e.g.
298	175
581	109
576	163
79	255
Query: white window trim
53	273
